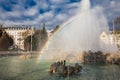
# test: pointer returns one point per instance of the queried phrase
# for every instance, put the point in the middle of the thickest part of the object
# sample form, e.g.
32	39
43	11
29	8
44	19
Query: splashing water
78	34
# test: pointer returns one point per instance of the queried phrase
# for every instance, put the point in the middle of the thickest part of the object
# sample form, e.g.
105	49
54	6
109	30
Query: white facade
111	37
104	37
17	34
116	39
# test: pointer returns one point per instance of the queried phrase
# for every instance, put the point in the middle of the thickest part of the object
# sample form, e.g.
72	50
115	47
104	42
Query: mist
81	33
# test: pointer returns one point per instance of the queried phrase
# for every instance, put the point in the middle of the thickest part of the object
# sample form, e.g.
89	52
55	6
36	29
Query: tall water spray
80	33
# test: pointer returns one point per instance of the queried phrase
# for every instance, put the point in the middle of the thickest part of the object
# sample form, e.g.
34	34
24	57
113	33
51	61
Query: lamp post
114	38
31	37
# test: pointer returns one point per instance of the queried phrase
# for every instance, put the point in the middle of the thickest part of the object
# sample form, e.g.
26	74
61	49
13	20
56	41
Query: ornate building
18	33
111	37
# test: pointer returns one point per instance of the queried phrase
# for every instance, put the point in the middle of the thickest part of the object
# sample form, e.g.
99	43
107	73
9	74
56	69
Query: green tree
38	39
42	37
28	44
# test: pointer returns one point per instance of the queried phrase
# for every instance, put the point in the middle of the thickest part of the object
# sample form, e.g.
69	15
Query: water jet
80	33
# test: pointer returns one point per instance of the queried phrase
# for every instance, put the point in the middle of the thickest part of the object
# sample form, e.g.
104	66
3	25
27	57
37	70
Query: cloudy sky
50	12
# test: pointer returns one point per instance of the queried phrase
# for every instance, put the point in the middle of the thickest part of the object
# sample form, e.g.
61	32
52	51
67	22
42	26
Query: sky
49	12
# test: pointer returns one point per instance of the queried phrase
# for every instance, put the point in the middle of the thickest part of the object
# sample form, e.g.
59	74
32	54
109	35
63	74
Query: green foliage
38	40
44	29
28	44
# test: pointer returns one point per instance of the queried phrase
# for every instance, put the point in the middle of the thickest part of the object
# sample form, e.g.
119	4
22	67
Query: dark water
13	68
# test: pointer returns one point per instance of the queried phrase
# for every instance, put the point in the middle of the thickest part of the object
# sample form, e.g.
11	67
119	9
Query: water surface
14	68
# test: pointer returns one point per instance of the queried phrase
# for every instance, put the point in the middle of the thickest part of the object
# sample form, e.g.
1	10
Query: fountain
80	33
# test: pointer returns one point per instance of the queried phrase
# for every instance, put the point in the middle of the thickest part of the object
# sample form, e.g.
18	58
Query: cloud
45	17
58	1
31	11
42	4
112	9
61	17
112	3
51	12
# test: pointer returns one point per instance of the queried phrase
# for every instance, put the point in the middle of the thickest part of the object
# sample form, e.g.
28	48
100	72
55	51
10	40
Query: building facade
111	37
18	34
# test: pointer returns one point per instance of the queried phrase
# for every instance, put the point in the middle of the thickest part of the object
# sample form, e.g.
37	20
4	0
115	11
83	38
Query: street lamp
31	37
114	32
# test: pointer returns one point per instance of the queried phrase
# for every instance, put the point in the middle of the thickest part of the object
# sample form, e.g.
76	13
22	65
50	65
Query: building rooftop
17	27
